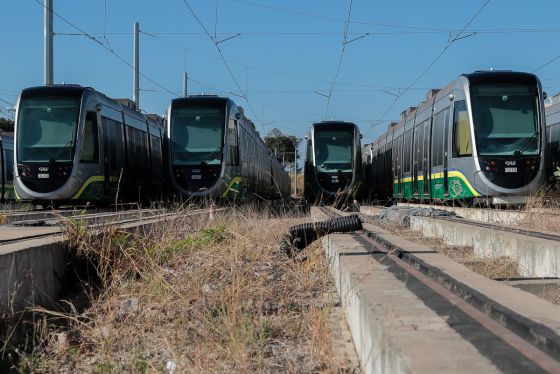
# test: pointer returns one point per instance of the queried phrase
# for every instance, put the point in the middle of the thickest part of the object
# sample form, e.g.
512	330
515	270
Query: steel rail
96	226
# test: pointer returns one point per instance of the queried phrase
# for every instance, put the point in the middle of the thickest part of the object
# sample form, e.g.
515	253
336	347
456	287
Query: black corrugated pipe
300	236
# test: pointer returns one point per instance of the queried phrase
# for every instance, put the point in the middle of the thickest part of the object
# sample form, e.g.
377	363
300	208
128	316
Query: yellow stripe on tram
90	180
230	186
454	173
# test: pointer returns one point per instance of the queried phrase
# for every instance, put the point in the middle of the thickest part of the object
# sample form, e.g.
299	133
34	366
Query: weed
210	295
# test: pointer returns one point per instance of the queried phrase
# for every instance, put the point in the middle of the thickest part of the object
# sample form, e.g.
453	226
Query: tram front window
46	129
197	134
505	119
333	151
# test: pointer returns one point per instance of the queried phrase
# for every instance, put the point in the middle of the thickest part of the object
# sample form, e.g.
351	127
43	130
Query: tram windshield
506	119
333	151
197	135
46	129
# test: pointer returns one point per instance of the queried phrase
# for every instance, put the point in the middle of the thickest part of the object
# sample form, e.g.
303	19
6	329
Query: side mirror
238	116
361	136
545	95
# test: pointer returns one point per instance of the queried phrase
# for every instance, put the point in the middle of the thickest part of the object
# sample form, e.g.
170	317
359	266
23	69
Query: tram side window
90	151
461	132
233	143
9	157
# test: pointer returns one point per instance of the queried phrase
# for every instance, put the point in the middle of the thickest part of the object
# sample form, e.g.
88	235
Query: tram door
446	154
2	174
417	158
426	186
395	168
439	154
106	158
398	169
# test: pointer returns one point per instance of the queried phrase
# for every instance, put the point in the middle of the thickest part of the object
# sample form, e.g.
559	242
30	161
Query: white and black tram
6	168
212	150
75	145
481	138
333	162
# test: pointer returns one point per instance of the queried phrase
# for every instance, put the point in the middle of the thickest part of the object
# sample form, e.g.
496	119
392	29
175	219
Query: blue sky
285	60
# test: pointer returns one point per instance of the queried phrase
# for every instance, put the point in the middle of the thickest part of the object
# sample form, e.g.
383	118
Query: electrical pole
48	43
295	168
136	68
185	84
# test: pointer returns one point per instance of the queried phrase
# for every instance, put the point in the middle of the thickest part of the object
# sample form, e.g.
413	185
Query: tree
6	125
283	145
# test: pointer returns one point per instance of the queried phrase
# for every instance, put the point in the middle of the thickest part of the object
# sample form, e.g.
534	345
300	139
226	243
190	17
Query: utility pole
136	67
185	84
295	168
48	42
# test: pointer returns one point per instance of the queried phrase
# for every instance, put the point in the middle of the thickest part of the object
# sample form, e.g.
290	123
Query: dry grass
202	296
543	210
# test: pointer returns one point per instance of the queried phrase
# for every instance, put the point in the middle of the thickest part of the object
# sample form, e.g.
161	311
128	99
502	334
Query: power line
216	42
278	72
450	42
10	104
308	14
344	43
331	33
110	50
545	64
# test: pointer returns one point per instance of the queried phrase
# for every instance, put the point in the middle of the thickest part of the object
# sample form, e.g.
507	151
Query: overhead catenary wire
8	103
508	30
216	44
109	49
545	64
308	14
344	43
450	42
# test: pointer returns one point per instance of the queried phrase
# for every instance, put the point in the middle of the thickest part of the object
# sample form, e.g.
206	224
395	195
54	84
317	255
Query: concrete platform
31	271
537	257
370	210
548	289
393	330
397	329
504	217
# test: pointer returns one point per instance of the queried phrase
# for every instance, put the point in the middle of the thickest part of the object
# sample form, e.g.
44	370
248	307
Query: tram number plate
511	170
196	176
43	175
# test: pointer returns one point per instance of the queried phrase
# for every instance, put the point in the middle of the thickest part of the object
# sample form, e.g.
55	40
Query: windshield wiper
519	152
60	152
211	156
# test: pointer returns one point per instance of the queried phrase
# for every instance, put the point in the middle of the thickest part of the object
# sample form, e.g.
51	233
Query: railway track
33	255
519	344
31	229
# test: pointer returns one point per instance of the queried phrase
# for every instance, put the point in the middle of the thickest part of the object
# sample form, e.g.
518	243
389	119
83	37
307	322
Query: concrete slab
526	305
370	210
505	217
537	257
394	331
548	289
31	271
